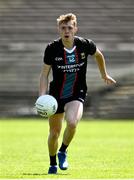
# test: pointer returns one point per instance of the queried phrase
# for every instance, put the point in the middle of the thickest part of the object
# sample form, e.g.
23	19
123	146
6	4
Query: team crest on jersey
71	58
83	55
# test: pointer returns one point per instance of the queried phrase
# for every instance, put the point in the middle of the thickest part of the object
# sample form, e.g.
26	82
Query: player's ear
76	29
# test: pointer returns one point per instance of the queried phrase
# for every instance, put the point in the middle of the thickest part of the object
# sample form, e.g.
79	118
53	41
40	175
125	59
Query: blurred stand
27	26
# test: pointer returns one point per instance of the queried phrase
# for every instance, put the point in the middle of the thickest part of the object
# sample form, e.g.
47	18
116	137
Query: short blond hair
64	18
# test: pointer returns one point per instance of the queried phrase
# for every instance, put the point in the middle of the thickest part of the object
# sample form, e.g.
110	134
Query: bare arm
102	67
43	87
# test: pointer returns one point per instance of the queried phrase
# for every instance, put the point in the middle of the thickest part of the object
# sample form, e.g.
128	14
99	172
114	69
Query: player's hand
109	80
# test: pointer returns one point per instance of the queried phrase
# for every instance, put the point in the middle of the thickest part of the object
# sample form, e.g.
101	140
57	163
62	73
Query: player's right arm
43	86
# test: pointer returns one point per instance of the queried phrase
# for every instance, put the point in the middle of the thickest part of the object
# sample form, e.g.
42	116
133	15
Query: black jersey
68	66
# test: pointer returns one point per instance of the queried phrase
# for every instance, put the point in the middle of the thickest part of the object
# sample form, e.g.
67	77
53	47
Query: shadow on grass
43	174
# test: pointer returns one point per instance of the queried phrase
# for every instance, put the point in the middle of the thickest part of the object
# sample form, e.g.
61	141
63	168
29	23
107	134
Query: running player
67	57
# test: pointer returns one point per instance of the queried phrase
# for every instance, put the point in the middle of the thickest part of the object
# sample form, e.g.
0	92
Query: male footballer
67	56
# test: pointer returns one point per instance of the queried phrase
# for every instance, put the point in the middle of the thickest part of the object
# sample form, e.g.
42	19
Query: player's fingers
110	81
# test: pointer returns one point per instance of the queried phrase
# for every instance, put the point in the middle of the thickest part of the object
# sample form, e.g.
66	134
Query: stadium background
26	26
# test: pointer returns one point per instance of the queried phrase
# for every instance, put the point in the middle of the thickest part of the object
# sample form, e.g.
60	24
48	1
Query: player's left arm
102	67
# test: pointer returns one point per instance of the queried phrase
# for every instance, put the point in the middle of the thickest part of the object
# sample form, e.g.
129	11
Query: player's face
67	31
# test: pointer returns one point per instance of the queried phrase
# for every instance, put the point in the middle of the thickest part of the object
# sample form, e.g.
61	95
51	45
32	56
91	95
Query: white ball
46	105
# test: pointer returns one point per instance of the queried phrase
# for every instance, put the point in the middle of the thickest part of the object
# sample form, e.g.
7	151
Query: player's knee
72	124
72	121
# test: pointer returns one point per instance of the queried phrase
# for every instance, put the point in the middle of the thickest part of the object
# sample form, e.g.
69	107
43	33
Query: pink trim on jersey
64	79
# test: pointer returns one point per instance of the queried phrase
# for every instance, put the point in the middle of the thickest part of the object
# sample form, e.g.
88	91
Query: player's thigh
74	111
55	121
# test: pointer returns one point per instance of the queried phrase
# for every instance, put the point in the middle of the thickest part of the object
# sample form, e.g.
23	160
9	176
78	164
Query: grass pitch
100	149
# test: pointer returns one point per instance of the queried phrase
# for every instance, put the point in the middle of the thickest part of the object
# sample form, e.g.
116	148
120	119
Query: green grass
100	149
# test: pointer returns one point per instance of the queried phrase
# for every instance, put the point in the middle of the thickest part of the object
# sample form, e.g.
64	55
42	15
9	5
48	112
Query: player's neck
68	44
